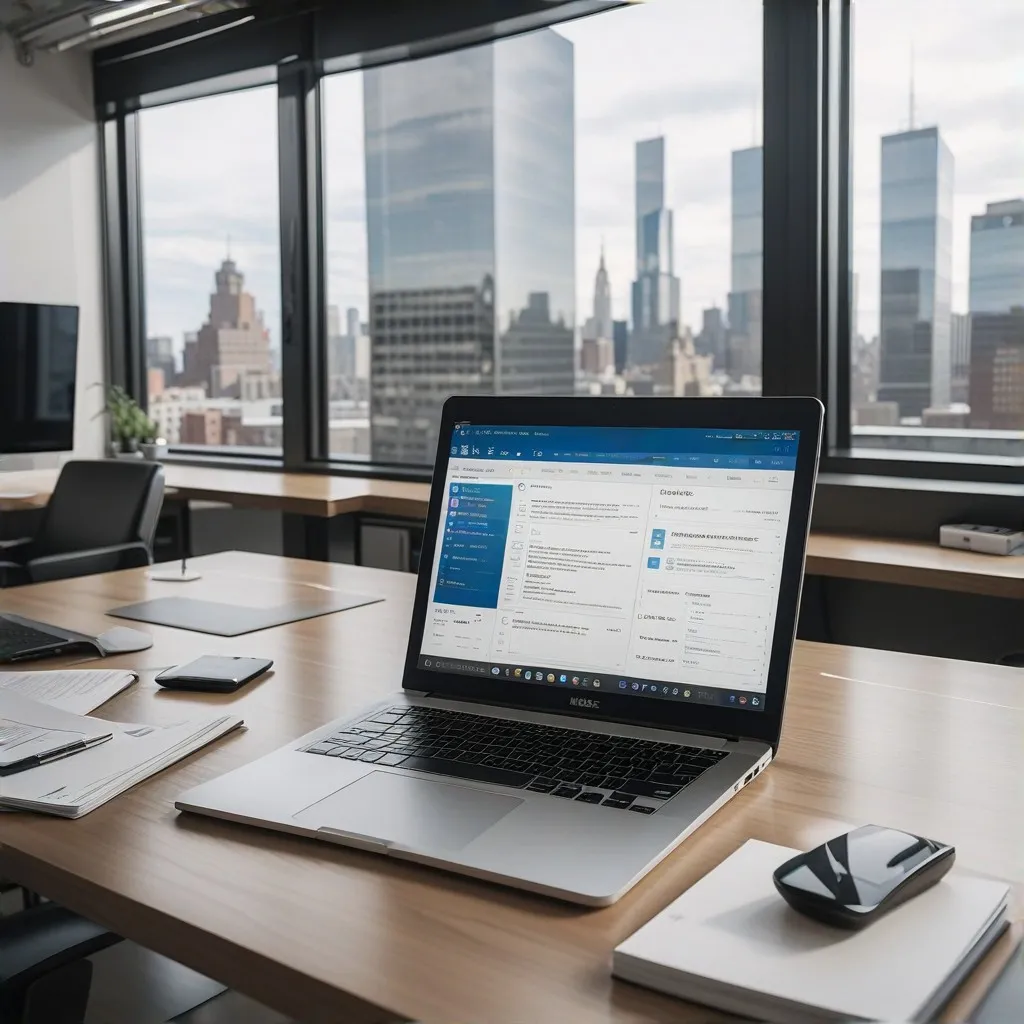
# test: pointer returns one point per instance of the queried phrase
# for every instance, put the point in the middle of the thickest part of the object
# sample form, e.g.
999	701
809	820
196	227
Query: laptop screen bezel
802	414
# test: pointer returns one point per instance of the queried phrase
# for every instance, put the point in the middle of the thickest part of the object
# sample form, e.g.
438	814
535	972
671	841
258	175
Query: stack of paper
90	775
79	784
76	690
732	942
32	733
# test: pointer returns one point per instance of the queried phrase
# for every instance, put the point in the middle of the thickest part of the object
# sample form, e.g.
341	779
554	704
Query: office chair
44	976
101	516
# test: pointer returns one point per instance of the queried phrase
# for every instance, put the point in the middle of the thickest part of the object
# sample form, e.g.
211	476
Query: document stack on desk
63	763
730	941
76	690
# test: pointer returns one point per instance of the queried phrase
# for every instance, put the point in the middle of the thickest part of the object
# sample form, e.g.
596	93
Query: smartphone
214	673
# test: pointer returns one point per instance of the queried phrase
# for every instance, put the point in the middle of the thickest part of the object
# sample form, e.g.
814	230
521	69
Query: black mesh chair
44	976
101	517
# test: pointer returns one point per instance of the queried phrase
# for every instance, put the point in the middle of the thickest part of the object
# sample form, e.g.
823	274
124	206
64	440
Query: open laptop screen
641	560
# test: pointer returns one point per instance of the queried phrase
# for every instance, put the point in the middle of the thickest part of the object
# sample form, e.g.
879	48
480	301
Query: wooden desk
306	494
318	497
328	934
307	500
915	564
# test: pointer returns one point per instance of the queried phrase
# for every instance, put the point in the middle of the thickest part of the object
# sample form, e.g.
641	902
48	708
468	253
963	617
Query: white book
76	690
79	784
731	942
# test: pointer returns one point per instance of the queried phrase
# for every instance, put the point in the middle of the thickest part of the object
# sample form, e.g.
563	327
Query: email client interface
641	561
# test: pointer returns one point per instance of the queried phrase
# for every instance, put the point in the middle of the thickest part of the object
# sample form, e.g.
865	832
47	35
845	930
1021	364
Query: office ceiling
58	25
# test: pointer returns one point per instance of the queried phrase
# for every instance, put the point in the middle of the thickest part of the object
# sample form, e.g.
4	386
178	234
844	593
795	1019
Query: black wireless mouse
854	879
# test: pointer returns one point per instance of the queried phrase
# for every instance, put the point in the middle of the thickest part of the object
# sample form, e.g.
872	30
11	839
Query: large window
212	269
573	210
937	335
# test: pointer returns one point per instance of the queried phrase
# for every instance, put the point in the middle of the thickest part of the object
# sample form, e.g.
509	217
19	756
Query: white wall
50	236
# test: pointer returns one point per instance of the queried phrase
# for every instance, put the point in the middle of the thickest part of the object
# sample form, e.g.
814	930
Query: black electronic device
854	879
38	359
214	673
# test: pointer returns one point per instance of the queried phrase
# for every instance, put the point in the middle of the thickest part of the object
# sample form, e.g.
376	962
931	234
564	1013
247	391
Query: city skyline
626	89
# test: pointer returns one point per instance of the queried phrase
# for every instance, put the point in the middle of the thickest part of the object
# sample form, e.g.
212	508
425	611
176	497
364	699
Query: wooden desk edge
255	974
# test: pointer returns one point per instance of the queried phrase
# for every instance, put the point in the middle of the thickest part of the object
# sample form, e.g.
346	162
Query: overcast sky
682	68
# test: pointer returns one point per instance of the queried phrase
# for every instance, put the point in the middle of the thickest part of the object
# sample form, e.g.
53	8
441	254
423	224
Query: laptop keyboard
16	639
613	771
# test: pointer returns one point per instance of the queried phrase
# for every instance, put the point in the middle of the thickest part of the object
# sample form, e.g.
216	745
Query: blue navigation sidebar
473	544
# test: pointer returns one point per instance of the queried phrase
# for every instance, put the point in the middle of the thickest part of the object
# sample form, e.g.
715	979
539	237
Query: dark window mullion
135	291
301	201
792	193
839	345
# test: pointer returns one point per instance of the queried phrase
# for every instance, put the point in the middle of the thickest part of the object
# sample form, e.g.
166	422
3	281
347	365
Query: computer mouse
856	878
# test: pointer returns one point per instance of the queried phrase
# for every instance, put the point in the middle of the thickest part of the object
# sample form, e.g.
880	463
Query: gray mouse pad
231	619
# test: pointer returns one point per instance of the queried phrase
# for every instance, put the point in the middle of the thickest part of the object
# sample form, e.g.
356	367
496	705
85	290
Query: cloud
658	105
691	71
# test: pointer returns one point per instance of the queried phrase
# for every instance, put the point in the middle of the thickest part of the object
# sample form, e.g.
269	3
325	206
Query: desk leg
306	537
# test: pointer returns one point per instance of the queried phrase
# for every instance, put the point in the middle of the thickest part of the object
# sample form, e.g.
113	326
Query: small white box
990	540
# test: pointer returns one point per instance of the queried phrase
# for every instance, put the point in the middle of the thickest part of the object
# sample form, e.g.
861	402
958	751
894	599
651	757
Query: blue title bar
677	447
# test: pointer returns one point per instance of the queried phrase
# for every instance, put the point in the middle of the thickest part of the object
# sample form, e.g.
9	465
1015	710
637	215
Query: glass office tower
743	356
656	292
470	233
996	300
916	271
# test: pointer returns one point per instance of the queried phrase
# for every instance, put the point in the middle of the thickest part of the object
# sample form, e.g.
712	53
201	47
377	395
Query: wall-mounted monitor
38	359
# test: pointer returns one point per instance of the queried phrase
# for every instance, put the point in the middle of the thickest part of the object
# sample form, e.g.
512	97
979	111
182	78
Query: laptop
22	639
599	650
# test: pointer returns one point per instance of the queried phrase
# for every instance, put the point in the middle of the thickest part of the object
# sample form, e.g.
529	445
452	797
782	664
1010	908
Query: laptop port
748	778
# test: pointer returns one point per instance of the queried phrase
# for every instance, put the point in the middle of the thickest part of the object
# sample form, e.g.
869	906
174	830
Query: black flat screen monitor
38	353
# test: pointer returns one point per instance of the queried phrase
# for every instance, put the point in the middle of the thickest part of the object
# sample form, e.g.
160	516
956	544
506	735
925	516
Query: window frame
806	316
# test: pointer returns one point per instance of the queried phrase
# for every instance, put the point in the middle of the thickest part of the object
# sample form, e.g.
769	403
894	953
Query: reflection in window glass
574	210
937	333
212	269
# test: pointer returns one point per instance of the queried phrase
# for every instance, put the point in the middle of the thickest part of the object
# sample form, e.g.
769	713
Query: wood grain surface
328	934
915	563
910	563
310	494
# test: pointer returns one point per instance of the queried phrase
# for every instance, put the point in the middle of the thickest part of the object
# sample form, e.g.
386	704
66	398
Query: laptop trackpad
417	813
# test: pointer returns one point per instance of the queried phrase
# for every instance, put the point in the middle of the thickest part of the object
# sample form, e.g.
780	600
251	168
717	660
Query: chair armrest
35	942
13	574
85	563
16	550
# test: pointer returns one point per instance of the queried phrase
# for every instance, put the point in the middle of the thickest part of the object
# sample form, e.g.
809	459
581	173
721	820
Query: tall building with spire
602	302
656	288
230	355
916	264
599	324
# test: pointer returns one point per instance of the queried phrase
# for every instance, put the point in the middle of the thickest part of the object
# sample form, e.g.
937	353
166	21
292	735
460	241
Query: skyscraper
600	323
160	356
916	271
743	355
233	344
620	343
656	288
470	231
996	299
713	339
959	356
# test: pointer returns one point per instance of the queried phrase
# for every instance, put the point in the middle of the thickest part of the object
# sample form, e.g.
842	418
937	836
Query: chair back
99	503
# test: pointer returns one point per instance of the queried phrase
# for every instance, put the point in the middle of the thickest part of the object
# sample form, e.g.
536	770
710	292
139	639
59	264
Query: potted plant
130	427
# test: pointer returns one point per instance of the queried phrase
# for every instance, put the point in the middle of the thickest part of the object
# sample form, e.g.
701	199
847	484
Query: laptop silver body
478	624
